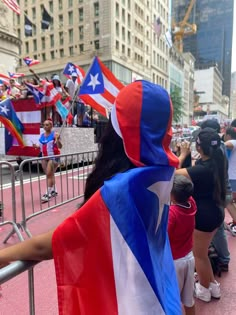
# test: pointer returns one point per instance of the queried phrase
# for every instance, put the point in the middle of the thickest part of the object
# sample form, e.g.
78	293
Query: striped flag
13	5
30	117
15	75
157	25
100	87
71	68
30	62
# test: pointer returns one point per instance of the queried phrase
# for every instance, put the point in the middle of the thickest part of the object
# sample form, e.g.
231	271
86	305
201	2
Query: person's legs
80	113
220	244
51	168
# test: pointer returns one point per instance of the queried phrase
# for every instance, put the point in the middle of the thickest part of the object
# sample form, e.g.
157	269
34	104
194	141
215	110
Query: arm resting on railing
37	248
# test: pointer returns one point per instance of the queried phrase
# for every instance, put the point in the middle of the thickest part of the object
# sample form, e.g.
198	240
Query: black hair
231	131
182	188
111	160
233	123
210	143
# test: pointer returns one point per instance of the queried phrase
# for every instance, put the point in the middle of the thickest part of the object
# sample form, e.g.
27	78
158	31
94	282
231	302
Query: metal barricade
8	200
70	179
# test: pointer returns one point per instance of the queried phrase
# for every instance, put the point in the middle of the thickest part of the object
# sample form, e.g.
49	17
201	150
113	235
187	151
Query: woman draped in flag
112	256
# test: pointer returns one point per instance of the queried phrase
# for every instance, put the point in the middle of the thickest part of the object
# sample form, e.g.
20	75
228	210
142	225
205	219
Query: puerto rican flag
15	75
13	5
30	62
113	255
70	68
30	117
100	87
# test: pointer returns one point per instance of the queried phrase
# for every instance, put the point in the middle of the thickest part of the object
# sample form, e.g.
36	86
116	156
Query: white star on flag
4	109
162	190
94	81
71	69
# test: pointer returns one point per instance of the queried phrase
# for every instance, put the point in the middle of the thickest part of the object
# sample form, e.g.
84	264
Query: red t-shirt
181	225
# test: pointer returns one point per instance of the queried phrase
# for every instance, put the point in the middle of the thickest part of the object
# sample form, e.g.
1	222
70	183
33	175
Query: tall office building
212	44
120	32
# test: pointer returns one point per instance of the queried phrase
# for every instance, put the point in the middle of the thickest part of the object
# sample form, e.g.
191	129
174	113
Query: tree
177	103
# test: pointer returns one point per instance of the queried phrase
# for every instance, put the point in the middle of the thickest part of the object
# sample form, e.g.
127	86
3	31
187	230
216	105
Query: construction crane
183	28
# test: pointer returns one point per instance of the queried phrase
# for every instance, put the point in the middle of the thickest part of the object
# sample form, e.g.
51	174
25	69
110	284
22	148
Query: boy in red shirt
181	225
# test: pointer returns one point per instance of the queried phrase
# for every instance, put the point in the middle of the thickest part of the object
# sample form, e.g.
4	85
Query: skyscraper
212	44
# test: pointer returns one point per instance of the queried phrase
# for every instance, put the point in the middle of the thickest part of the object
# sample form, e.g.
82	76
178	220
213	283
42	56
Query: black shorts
209	219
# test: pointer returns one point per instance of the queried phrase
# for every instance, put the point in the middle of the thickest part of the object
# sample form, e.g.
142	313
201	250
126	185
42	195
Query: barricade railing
70	179
7	192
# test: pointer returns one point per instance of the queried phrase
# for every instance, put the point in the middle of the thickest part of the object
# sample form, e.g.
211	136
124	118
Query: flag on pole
71	68
30	117
30	62
100	87
168	38
13	5
46	19
10	120
28	27
15	75
61	109
157	25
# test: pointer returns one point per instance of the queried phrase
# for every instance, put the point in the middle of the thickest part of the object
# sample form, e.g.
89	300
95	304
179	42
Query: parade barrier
4	195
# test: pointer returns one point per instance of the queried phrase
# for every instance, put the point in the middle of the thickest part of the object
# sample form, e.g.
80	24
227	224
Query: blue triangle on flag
93	82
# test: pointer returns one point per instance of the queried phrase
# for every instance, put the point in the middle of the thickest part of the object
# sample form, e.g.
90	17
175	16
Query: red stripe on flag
23	151
31	129
110	76
25	105
90	101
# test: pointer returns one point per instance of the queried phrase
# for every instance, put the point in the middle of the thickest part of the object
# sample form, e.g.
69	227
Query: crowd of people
131	177
80	114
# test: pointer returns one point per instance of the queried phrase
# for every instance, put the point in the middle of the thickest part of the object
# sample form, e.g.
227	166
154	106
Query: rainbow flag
10	120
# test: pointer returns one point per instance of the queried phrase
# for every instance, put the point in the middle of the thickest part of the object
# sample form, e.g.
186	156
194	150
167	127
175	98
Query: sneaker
54	193
231	227
202	293
215	289
46	197
224	267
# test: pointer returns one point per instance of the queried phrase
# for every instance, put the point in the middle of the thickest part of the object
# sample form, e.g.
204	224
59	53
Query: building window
33	13
70	3
61	38
71	37
129	4
27	47
51	6
43	42
81	32
52	54
117	45
18	33
123	15
71	51
60	4
129	20
129	52
70	17
43	57
129	38
117	10
117	29
52	41
34	29
81	1
60	17
96	44
81	47
123	49
61	53
35	45
96	8
81	14
123	33
35	56
96	28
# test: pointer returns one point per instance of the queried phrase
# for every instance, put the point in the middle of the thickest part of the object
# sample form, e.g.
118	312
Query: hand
185	148
57	136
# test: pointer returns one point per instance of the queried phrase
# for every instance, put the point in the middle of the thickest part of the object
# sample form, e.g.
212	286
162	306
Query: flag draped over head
70	69
100	87
13	5
114	250
46	19
30	62
10	120
28	27
30	117
157	25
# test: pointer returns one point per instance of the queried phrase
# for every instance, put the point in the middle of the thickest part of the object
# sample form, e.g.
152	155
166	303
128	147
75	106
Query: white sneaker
46	197
215	289
202	293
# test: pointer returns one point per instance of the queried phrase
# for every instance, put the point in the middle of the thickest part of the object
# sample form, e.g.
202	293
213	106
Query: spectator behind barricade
230	138
79	106
181	223
112	256
209	177
4	92
13	91
56	118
